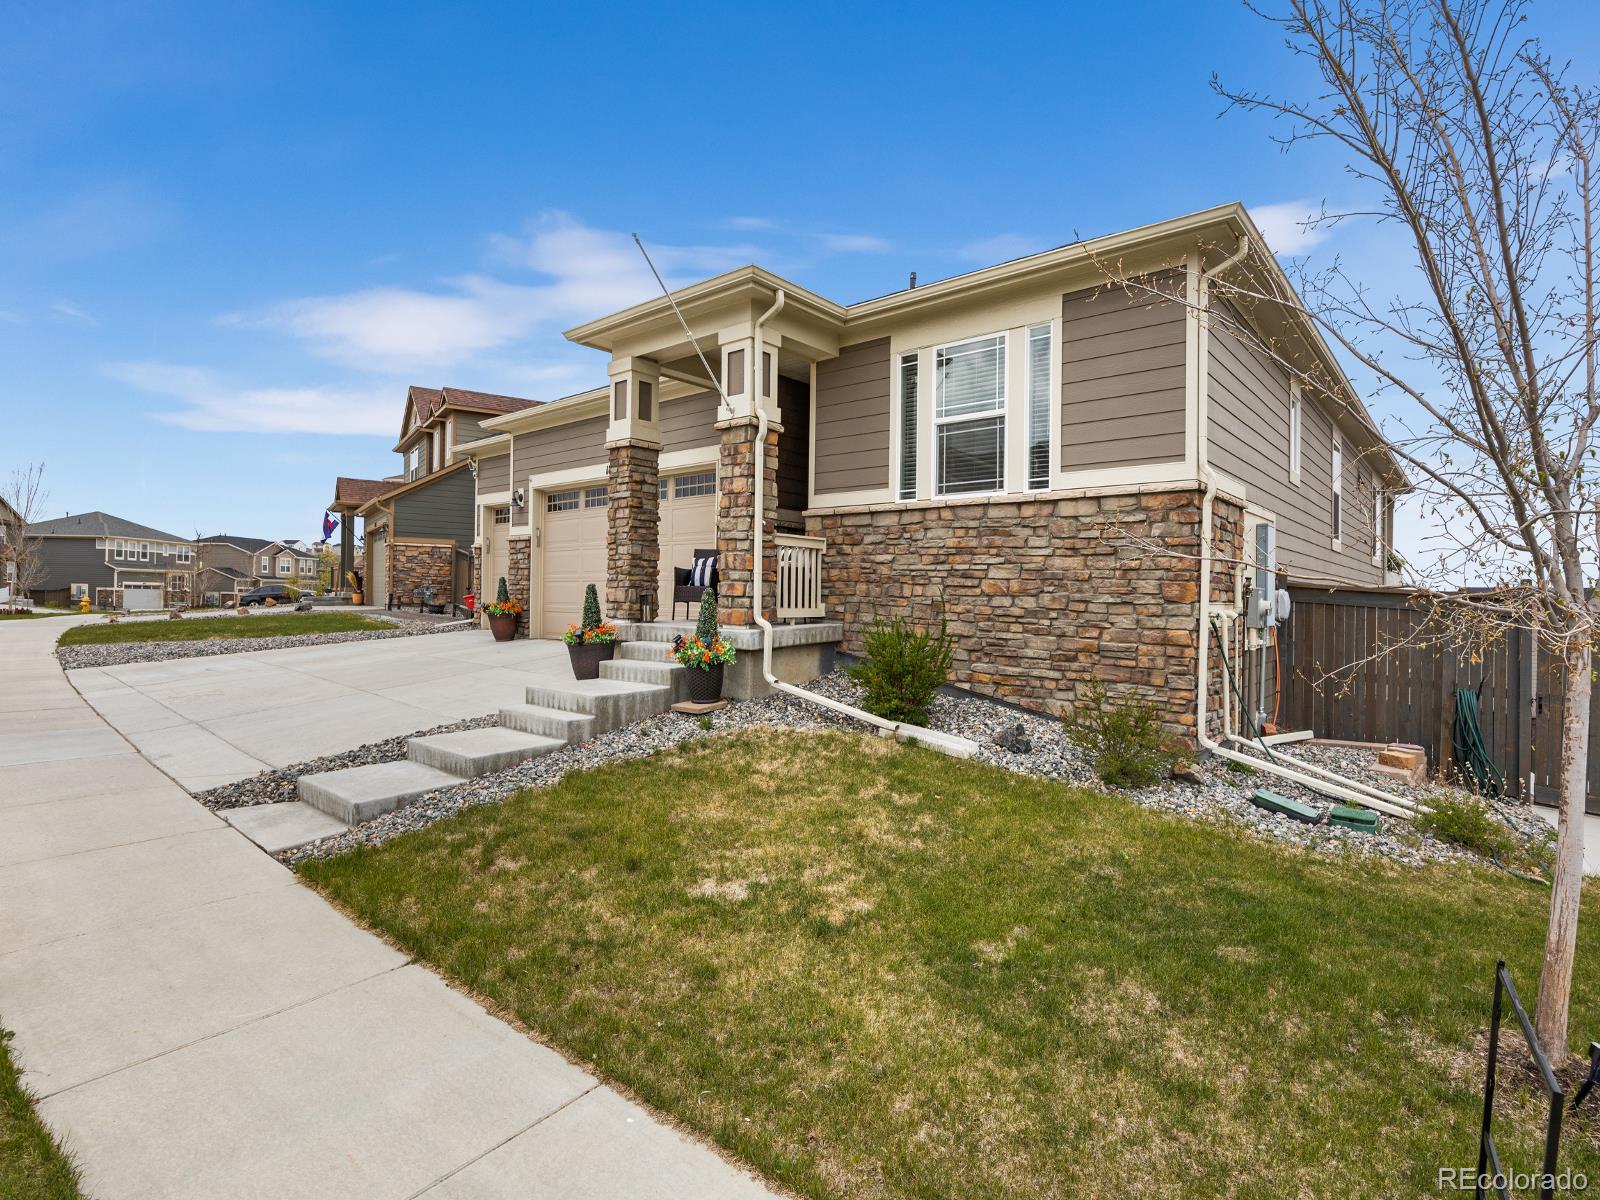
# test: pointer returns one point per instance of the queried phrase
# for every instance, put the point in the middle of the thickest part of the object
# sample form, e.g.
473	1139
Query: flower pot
586	659
705	684
504	627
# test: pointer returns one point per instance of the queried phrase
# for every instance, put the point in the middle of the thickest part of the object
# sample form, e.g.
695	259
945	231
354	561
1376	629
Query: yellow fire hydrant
83	604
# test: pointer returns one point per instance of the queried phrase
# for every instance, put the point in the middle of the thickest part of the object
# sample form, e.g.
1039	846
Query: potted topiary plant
705	654
504	613
591	643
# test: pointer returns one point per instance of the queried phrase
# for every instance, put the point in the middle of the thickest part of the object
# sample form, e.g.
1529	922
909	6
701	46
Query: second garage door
574	555
688	523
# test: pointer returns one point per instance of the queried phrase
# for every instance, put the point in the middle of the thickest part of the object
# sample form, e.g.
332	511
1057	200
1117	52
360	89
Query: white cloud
71	312
1284	226
754	224
998	248
586	272
211	404
853	243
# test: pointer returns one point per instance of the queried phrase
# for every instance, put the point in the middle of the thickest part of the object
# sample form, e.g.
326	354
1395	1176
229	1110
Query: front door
496	556
688	523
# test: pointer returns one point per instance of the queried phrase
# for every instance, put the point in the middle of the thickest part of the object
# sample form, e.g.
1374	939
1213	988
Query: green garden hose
1471	752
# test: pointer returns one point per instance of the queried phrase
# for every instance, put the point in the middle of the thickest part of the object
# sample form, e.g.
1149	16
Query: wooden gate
1374	666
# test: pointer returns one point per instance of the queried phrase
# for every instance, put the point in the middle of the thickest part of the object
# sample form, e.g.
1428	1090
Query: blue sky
232	233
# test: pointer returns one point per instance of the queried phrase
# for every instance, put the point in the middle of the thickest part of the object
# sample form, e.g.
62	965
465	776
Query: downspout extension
957	747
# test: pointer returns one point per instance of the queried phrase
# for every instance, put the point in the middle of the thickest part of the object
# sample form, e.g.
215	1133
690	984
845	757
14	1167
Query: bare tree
26	496
1459	132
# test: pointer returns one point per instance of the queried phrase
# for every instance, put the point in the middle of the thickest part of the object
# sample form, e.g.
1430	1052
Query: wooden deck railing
799	576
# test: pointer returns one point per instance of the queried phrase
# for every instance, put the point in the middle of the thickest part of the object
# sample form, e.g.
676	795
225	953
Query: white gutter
956	747
1344	789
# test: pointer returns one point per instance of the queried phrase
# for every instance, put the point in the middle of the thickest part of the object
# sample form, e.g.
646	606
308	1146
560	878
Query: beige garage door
574	555
688	523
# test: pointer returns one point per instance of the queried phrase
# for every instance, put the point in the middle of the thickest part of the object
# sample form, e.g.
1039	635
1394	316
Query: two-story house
418	527
117	563
231	564
1058	451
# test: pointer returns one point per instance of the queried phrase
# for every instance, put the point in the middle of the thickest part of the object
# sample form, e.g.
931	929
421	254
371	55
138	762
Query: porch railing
799	576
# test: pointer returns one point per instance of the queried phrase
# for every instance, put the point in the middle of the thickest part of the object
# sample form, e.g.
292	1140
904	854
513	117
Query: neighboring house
1017	445
117	563
10	540
418	528
231	564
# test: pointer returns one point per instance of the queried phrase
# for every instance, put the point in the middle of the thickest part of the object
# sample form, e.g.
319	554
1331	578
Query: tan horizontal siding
1122	379
851	414
494	474
558	448
688	422
1248	429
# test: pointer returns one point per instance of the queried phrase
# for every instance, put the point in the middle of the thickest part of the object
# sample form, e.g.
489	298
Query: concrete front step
660	652
611	702
358	794
285	826
569	727
470	753
664	674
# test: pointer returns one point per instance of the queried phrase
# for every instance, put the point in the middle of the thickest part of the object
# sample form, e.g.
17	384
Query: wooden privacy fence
1365	665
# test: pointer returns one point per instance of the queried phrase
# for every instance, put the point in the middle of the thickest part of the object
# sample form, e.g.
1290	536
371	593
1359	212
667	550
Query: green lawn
197	629
872	971
32	1166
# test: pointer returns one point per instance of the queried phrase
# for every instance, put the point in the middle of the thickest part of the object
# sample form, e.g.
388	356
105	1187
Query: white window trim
897	426
144	551
1336	493
1377	524
116	549
1297	420
1008	400
1024	405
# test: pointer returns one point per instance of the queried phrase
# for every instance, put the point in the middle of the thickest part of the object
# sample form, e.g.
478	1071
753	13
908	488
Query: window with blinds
969	415
908	427
1039	407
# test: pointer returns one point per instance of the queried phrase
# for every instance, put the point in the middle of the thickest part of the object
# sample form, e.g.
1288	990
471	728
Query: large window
969	416
908	427
1039	407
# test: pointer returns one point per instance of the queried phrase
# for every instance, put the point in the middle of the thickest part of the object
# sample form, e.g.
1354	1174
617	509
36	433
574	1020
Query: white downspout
1345	789
958	747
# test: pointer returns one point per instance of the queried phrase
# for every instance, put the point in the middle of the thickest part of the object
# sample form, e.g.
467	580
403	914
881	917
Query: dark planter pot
586	660
705	684
504	627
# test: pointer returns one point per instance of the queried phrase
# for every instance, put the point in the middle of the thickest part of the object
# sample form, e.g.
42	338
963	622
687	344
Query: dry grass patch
872	971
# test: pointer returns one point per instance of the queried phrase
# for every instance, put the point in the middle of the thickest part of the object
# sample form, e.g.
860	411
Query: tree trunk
1561	939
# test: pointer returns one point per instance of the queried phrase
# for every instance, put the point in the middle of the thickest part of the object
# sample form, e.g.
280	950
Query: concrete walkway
210	721
198	1024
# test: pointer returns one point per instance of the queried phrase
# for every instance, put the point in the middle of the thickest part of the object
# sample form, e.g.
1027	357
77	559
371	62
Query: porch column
633	514
736	517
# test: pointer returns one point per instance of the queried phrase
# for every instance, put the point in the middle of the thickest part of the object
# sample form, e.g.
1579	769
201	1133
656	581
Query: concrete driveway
197	1024
211	721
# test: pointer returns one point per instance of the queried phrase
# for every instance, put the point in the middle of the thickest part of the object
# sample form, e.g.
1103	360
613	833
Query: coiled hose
1471	752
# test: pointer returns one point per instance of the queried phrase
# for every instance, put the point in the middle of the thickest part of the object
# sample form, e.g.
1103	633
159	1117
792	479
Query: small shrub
1124	742
591	607
705	722
1468	824
904	669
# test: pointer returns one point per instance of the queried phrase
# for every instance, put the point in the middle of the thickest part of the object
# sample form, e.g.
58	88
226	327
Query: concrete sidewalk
211	721
198	1024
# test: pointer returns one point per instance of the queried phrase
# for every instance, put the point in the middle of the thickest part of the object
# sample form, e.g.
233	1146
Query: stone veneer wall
518	579
633	528
1042	595
736	504
416	565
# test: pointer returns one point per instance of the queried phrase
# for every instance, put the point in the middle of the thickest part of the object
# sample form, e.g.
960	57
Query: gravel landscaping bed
120	654
1223	796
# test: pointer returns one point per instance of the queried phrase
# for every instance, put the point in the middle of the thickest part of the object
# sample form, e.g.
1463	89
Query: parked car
278	593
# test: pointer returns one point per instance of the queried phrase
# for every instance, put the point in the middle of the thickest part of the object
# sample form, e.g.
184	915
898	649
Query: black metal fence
1491	1174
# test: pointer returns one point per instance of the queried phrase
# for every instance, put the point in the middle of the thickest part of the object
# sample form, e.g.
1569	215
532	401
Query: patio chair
689	583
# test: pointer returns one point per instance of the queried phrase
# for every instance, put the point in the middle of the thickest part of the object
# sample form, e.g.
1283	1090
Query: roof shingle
99	524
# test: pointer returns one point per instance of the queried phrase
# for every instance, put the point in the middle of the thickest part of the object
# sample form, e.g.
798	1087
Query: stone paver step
474	752
666	674
358	794
611	702
570	727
